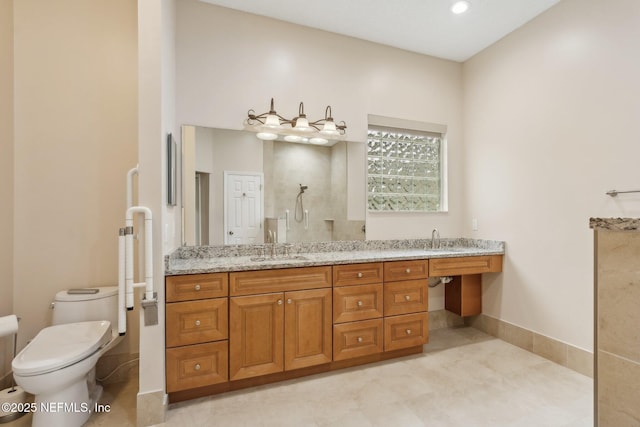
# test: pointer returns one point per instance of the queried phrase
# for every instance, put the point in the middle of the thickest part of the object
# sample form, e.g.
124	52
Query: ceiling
423	26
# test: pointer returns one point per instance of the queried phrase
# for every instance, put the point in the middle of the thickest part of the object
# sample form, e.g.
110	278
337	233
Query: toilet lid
59	346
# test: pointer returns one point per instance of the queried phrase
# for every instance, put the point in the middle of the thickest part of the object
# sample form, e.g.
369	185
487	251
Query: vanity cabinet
286	327
463	296
357	310
196	331
232	330
406	301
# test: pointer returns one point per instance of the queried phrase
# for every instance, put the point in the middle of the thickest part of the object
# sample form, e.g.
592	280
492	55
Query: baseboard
151	408
564	354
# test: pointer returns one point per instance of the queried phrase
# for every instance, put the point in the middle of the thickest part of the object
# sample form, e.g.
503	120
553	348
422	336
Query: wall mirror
238	189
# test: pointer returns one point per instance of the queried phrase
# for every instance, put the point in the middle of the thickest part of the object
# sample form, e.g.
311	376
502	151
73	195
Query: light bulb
292	138
272	121
266	136
318	141
460	7
302	124
329	128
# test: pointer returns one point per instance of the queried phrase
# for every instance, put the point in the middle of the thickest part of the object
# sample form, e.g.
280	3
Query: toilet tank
72	307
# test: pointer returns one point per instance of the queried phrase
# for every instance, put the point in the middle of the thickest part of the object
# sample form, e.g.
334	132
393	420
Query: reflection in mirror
240	190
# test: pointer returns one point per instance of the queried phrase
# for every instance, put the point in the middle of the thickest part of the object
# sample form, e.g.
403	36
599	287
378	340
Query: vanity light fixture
460	7
271	125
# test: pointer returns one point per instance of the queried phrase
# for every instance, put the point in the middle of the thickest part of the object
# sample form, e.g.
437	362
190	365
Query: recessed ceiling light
460	7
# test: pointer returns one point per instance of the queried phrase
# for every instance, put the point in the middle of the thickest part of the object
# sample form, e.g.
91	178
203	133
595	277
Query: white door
243	208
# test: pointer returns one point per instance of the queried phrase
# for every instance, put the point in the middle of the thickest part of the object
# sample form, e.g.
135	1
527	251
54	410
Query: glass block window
404	170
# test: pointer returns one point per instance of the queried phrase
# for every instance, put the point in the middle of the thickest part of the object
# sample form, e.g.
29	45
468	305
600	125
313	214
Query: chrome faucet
435	236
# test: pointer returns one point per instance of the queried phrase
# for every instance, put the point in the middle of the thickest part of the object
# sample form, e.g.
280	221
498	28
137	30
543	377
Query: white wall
156	119
75	122
228	62
551	121
6	178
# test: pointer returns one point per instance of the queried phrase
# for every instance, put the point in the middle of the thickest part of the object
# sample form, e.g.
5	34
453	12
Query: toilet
58	365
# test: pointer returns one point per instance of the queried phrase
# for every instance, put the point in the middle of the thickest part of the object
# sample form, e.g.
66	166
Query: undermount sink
279	258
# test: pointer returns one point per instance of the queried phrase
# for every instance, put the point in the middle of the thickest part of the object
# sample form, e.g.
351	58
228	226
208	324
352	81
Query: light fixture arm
267	123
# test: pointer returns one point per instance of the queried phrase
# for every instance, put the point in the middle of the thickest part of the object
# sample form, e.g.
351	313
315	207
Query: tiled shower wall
323	170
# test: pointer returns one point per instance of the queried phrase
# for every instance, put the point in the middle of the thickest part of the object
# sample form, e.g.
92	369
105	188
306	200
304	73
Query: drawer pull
408	331
359	339
359	275
360	303
289	301
407	297
408	270
197	287
197	323
279	302
197	367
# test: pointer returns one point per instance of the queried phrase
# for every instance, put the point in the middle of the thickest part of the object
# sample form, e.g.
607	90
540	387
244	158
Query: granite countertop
212	259
615	224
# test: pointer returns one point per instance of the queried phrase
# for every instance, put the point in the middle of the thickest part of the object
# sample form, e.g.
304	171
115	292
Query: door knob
230	233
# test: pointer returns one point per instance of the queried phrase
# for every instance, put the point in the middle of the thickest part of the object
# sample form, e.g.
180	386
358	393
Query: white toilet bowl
58	367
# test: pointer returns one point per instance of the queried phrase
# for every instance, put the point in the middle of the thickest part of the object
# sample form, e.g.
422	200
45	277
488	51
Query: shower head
303	187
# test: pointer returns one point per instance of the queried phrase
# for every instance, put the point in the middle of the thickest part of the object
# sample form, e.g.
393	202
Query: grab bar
614	193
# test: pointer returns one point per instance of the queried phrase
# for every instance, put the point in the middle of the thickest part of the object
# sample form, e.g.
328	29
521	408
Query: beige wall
75	138
551	123
6	177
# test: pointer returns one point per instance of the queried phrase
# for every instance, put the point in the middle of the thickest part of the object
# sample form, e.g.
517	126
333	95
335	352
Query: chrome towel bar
614	193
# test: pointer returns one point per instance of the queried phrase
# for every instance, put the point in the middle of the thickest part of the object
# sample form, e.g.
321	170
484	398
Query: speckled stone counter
615	224
211	259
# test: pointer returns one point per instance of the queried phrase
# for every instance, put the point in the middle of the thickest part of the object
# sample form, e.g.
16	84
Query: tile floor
464	378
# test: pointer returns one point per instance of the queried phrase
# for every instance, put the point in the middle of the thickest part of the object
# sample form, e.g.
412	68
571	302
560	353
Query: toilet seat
59	346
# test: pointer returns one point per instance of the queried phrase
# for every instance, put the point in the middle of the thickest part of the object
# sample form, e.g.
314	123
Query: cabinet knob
408	270
197	287
279	302
359	275
289	301
197	323
408	331
359	339
197	367
360	303
407	297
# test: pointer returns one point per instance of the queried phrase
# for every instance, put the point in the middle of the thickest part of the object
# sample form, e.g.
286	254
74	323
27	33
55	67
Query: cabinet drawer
357	274
193	322
362	302
405	331
288	279
357	339
197	286
197	365
465	265
406	270
410	296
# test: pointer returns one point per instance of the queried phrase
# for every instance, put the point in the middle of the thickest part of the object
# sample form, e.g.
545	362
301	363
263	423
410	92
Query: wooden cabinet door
256	334
405	331
356	339
410	296
308	328
194	322
196	366
361	302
